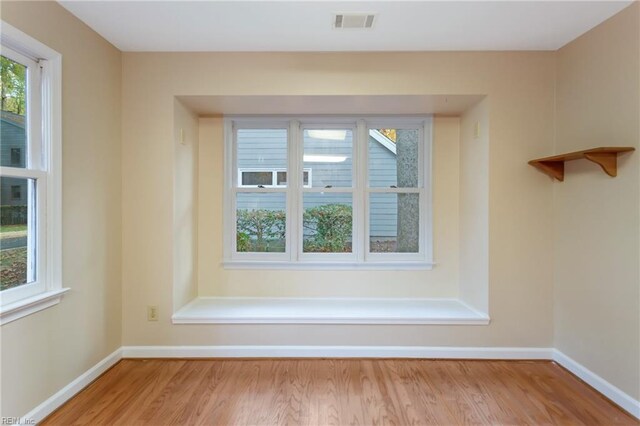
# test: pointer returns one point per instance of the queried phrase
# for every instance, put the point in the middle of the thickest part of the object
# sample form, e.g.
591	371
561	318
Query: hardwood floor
337	392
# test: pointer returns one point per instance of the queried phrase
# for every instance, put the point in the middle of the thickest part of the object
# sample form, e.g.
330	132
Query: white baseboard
426	352
334	352
63	395
598	383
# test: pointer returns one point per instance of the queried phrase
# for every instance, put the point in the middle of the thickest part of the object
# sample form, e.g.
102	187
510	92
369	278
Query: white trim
360	239
359	258
615	394
228	217
52	143
17	40
66	393
30	305
334	265
253	351
426	178
335	310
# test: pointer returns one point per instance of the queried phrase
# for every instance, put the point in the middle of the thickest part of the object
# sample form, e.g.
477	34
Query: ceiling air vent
353	20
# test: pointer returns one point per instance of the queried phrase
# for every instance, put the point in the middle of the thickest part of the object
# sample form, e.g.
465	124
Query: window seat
267	310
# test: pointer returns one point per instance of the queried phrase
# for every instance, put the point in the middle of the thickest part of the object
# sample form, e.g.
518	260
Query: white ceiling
307	25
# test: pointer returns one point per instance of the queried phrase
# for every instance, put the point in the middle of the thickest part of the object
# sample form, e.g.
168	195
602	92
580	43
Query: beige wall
45	351
474	211
185	205
442	281
520	89
597	218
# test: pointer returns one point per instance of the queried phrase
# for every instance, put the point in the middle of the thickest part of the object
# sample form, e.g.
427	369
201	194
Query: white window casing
294	257
44	169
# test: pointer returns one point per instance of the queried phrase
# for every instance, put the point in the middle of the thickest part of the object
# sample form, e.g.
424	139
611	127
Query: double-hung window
30	276
336	192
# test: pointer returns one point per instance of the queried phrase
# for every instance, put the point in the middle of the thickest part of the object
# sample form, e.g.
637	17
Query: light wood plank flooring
337	392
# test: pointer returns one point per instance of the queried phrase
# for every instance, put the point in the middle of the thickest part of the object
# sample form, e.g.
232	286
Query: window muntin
348	184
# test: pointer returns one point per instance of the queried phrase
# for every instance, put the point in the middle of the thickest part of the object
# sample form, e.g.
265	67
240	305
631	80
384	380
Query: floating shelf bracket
605	157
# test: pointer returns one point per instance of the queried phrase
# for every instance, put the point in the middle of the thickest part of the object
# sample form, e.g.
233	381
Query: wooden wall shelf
605	157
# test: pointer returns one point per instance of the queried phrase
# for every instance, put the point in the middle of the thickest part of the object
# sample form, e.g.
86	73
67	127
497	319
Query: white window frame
274	176
44	161
360	257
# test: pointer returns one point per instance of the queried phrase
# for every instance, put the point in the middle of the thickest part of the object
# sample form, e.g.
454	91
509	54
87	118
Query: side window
30	183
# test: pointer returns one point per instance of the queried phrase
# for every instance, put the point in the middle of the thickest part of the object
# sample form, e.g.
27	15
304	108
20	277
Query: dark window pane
16	157
16	192
281	178
257	178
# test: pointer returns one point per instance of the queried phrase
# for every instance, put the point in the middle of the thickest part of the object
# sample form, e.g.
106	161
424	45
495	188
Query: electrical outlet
152	313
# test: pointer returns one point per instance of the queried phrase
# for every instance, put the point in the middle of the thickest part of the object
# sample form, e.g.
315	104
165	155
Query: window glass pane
13	136
393	158
15	245
282	178
261	222
394	223
257	178
328	154
327	223
262	150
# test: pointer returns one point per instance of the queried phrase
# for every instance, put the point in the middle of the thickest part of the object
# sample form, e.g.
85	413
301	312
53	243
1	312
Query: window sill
267	310
30	305
333	266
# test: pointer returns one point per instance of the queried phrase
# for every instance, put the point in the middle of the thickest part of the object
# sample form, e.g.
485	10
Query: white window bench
261	310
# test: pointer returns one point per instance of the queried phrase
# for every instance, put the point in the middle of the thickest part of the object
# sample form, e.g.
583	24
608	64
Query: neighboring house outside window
362	196
30	180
